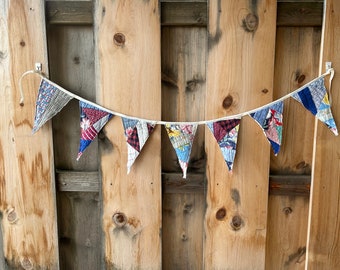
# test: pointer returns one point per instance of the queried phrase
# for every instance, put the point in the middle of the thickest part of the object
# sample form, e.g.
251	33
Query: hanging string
329	71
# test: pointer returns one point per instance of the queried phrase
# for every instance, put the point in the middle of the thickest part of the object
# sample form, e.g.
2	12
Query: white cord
159	122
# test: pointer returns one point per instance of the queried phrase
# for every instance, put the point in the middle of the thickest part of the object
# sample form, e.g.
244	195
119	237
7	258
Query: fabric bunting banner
136	133
52	98
314	98
92	120
49	102
225	133
182	137
270	120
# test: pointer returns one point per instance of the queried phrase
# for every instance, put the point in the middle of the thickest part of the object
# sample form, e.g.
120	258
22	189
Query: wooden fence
178	61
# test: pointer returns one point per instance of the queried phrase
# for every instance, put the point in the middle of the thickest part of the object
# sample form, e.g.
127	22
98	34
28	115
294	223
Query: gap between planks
189	13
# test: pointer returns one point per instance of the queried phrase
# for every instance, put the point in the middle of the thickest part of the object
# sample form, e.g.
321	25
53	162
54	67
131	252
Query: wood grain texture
71	58
183	90
240	67
286	236
297	58
182	231
27	194
296	63
80	230
323	250
71	54
129	77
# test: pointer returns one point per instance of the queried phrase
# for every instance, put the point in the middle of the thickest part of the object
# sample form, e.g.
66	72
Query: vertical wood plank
296	63
240	76
27	194
183	89
129	81
183	99
323	250
79	213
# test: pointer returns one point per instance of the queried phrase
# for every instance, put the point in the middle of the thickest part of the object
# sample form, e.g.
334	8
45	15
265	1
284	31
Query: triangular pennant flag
270	120
225	133
314	98
92	120
137	133
181	138
324	114
49	102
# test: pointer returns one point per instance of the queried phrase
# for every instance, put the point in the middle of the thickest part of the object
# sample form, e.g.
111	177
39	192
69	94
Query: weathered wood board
323	250
71	59
183	99
27	193
127	35
296	63
239	78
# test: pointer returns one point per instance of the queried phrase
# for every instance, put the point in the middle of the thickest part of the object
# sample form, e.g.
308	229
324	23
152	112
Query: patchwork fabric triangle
49	102
181	138
225	133
324	114
270	120
136	133
92	120
314	98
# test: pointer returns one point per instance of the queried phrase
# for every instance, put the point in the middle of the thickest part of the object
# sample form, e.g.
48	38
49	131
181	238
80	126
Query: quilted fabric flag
270	120
225	133
182	137
315	99
49	102
137	133
92	120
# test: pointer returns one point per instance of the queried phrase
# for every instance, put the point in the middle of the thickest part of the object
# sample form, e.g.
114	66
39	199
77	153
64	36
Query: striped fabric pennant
92	120
225	133
182	137
270	120
136	133
314	98
49	102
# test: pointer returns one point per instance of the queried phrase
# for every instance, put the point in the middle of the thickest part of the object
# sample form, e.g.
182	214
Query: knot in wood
301	78
250	22
11	216
26	263
221	213
287	210
22	43
236	223
119	219
119	39
227	102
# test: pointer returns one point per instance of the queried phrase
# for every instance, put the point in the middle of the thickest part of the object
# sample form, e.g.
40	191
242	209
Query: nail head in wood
119	39
119	219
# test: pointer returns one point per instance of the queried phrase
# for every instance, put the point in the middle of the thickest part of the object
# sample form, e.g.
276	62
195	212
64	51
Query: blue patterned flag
181	138
225	133
137	133
49	102
92	120
270	120
315	99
